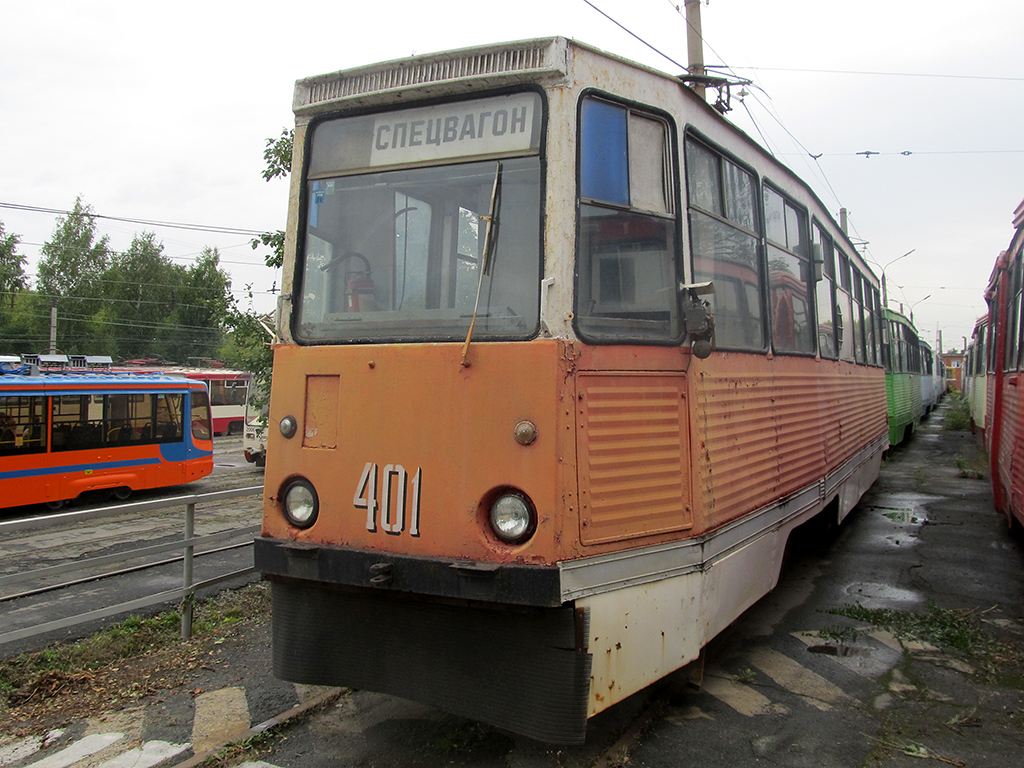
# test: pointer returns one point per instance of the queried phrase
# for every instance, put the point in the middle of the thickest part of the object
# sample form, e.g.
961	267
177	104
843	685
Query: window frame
807	256
692	134
672	190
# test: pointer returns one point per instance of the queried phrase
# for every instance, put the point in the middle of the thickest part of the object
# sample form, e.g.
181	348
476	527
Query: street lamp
915	304
885	292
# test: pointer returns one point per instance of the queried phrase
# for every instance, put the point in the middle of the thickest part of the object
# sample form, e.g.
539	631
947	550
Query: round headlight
511	518
301	504
288	426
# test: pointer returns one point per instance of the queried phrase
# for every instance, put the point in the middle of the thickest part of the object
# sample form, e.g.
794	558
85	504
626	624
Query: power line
634	35
129	220
880	74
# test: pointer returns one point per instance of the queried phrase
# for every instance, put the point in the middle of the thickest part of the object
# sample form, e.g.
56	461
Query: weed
839	635
745	675
958	416
975	467
956	629
65	667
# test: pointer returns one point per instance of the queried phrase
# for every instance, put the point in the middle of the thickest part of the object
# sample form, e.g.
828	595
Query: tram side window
824	254
227	392
789	275
169	418
724	242
1018	312
875	326
83	422
844	306
993	326
626	260
22	425
1013	316
201	429
859	324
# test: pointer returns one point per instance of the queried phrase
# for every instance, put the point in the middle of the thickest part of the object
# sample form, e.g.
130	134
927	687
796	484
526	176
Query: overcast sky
162	112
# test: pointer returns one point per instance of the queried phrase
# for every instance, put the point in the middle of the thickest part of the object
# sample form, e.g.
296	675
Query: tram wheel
55	505
122	492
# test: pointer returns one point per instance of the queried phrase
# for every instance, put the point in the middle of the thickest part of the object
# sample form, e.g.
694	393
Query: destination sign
463	129
453	130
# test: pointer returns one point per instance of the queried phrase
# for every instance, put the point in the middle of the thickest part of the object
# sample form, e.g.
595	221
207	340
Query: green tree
250	345
12	268
139	289
277	154
203	309
70	268
14	296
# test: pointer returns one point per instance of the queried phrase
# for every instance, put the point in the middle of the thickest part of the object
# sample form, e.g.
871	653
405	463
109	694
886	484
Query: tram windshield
397	215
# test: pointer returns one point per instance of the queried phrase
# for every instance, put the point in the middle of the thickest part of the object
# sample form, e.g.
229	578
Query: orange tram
62	434
566	358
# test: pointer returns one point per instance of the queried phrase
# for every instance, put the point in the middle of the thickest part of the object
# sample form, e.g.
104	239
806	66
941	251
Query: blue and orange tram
65	433
565	359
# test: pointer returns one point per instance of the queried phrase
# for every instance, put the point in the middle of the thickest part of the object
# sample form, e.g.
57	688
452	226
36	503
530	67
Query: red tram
522	462
1004	403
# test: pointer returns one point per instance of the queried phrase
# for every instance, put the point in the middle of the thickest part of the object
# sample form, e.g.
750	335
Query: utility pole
843	221
53	326
695	45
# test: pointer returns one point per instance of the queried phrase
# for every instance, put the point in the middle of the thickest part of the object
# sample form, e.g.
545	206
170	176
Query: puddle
904	508
906	517
880	595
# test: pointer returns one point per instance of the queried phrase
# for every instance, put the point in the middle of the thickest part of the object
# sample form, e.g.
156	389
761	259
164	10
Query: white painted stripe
219	717
740	697
149	754
818	691
887	639
257	764
19	750
82	748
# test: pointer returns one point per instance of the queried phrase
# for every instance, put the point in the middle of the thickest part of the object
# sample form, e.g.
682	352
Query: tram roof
20	382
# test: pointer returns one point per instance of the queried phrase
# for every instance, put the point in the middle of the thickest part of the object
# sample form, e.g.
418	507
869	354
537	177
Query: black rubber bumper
523	669
489	582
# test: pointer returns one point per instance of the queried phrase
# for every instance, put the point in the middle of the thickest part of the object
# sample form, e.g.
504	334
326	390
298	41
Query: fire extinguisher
360	294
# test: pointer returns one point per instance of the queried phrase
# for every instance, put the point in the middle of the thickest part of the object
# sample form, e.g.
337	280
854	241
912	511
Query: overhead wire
145	222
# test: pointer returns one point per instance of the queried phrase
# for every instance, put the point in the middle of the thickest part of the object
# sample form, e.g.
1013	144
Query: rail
187	546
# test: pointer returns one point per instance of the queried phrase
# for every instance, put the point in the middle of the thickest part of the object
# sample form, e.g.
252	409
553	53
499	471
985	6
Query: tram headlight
301	504
511	517
288	426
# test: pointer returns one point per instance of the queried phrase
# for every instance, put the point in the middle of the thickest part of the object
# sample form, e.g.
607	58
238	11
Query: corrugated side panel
763	437
903	394
854	413
1011	450
633	459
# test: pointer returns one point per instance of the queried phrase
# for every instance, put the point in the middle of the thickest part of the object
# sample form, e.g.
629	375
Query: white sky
161	112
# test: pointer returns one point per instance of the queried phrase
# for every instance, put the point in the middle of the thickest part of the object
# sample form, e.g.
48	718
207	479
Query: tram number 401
397	505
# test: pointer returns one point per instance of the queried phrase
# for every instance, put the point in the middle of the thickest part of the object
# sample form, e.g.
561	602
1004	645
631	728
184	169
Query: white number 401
393	488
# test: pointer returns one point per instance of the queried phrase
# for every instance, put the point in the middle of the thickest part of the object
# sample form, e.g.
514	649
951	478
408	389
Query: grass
958	415
960	631
58	667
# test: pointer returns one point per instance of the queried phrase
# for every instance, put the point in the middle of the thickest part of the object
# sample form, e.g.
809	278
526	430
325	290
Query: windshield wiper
486	258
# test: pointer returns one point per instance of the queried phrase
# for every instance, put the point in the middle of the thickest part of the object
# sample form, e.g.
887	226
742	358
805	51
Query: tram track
53	542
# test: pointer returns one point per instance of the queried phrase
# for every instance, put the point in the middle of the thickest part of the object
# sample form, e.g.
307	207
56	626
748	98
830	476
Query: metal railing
187	546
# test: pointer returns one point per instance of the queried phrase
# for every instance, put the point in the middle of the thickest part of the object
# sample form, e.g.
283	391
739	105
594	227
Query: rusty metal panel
633	456
739	457
321	422
768	427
